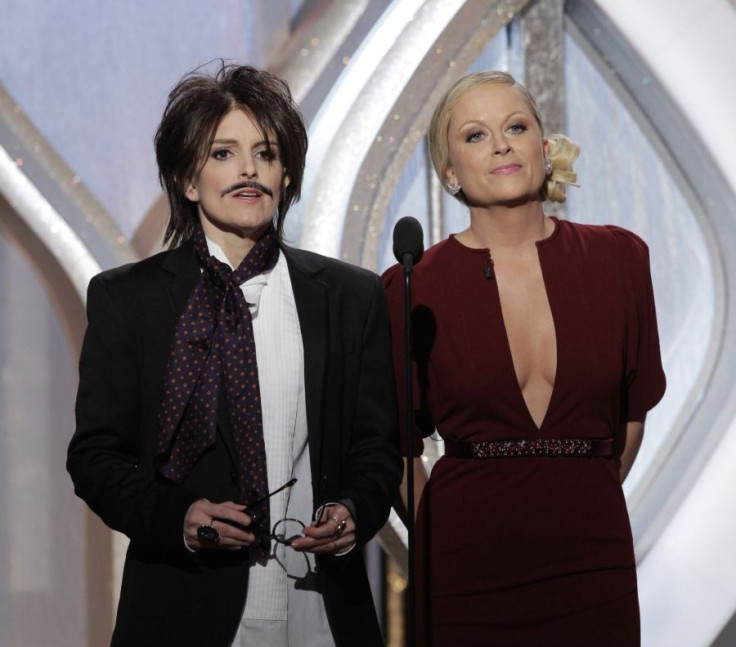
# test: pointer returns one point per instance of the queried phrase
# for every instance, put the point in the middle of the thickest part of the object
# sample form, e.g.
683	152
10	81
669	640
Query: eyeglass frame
281	539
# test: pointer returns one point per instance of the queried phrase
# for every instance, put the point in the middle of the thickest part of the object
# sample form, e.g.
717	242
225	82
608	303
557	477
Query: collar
253	287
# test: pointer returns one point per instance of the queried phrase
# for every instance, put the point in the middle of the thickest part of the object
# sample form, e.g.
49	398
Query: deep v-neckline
510	357
493	284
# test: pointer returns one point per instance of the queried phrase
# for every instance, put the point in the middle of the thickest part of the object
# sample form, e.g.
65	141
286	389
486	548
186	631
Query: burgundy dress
532	549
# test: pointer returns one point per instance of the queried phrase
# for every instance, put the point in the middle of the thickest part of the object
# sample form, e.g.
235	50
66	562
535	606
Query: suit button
233	476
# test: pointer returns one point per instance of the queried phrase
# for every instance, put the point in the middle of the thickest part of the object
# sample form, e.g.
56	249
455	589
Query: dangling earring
452	188
547	165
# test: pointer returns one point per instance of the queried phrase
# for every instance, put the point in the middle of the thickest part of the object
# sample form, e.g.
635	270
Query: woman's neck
506	227
235	244
235	249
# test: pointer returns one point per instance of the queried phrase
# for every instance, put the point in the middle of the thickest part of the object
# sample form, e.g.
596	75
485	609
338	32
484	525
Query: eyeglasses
305	578
269	495
285	531
254	516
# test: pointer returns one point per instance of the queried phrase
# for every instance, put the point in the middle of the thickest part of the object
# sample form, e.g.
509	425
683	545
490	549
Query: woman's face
239	187
496	149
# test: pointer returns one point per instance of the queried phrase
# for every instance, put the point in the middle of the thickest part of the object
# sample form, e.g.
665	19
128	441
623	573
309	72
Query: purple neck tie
214	339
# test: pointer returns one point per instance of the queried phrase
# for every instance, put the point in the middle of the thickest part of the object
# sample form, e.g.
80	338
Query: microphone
408	249
408	242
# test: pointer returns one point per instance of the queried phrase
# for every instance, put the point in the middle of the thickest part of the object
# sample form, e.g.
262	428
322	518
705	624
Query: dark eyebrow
233	142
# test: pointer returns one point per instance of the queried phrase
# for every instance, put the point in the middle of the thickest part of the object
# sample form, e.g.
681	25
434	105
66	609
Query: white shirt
280	610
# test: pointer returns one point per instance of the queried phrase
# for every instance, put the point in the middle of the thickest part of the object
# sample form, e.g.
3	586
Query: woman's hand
221	517
332	534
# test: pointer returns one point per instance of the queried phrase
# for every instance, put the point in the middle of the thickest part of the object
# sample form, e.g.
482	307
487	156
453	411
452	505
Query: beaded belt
582	447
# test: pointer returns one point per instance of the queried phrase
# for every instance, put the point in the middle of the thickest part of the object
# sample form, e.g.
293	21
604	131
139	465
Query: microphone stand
408	263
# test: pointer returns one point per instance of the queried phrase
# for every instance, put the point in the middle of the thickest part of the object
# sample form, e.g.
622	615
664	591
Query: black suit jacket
169	595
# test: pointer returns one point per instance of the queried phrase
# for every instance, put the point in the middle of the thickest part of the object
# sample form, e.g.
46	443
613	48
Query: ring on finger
208	533
341	524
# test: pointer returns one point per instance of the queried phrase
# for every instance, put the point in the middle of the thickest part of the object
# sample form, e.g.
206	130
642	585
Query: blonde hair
562	151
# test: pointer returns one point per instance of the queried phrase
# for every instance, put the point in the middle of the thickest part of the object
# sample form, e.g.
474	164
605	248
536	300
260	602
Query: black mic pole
408	249
408	268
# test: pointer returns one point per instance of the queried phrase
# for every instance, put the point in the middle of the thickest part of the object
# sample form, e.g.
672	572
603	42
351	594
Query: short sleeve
644	377
423	425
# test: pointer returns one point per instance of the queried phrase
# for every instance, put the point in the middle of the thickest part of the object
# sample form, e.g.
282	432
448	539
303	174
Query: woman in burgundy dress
536	360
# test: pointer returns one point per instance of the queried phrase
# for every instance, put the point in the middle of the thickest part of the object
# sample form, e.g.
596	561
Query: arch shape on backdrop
378	110
682	533
67	233
67	236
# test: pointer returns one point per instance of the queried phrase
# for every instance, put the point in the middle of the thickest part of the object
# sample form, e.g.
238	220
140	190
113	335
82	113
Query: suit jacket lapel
311	298
182	264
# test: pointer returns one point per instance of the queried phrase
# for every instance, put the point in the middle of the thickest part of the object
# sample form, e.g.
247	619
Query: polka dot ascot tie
214	339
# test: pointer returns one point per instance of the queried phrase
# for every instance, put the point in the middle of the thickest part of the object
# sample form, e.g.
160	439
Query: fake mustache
247	185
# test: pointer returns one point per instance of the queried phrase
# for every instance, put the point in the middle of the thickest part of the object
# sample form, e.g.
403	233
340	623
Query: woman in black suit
215	372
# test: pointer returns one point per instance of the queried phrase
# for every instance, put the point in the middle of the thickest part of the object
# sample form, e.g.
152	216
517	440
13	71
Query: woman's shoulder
433	261
136	277
618	239
332	268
